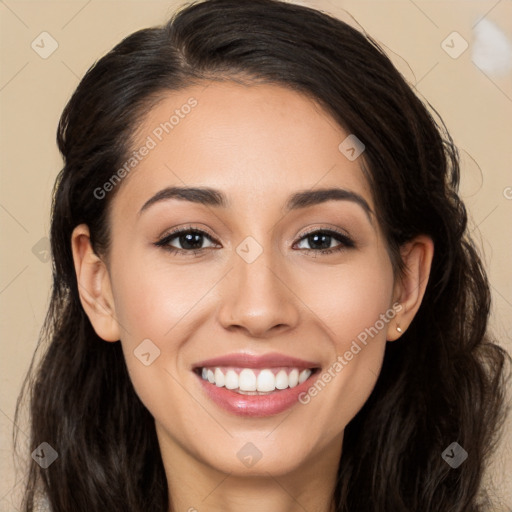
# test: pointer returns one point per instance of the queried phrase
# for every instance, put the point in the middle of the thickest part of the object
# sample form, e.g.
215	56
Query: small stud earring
399	329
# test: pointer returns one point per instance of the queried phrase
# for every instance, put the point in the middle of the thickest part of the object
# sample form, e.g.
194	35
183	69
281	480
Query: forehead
257	143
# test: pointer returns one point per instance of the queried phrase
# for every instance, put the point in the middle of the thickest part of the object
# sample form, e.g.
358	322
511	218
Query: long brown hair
444	381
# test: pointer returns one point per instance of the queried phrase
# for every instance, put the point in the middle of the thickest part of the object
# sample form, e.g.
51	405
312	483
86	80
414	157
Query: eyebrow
211	197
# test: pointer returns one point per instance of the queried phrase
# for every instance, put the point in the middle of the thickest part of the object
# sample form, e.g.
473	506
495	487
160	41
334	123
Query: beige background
476	106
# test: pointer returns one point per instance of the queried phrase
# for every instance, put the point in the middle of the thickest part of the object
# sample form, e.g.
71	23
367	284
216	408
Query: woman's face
276	281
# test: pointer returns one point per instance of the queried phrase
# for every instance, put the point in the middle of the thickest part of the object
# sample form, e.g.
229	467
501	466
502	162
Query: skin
257	144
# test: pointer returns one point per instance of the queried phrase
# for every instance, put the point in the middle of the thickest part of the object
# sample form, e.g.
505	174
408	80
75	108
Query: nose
258	298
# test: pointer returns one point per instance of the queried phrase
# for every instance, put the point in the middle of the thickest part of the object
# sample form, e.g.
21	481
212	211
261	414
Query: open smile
255	385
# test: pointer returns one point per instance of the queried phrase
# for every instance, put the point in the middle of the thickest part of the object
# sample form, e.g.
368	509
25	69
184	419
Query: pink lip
245	360
255	405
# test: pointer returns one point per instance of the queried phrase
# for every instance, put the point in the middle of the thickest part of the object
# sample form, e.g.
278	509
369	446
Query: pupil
324	237
191	239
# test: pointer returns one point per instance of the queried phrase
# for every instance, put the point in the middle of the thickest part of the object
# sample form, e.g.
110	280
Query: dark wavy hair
444	381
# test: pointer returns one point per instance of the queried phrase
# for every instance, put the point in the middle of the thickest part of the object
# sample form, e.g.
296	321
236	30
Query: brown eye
190	240
321	241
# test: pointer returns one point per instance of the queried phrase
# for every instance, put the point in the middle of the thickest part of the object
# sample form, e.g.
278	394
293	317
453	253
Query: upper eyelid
336	231
185	229
178	231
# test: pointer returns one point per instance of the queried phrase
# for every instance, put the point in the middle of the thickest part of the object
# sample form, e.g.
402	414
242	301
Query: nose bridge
256	295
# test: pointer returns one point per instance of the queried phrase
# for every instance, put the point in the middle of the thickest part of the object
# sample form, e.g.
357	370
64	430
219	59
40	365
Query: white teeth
250	382
247	380
304	375
219	378
281	380
231	380
293	378
266	381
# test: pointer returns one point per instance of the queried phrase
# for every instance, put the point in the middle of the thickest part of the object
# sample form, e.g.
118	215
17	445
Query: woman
265	296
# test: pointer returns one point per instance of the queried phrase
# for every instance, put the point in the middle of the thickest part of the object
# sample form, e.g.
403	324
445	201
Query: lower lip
255	405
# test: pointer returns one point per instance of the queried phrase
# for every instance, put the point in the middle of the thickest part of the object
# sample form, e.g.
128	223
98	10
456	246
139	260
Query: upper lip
246	360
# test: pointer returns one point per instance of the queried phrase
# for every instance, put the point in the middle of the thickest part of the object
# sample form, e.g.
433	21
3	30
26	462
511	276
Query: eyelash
346	242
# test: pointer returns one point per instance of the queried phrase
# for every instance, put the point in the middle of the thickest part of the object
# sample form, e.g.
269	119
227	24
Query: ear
94	285
410	288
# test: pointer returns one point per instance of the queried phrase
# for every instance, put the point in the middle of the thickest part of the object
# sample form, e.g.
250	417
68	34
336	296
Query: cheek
350	298
151	297
156	305
355	305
